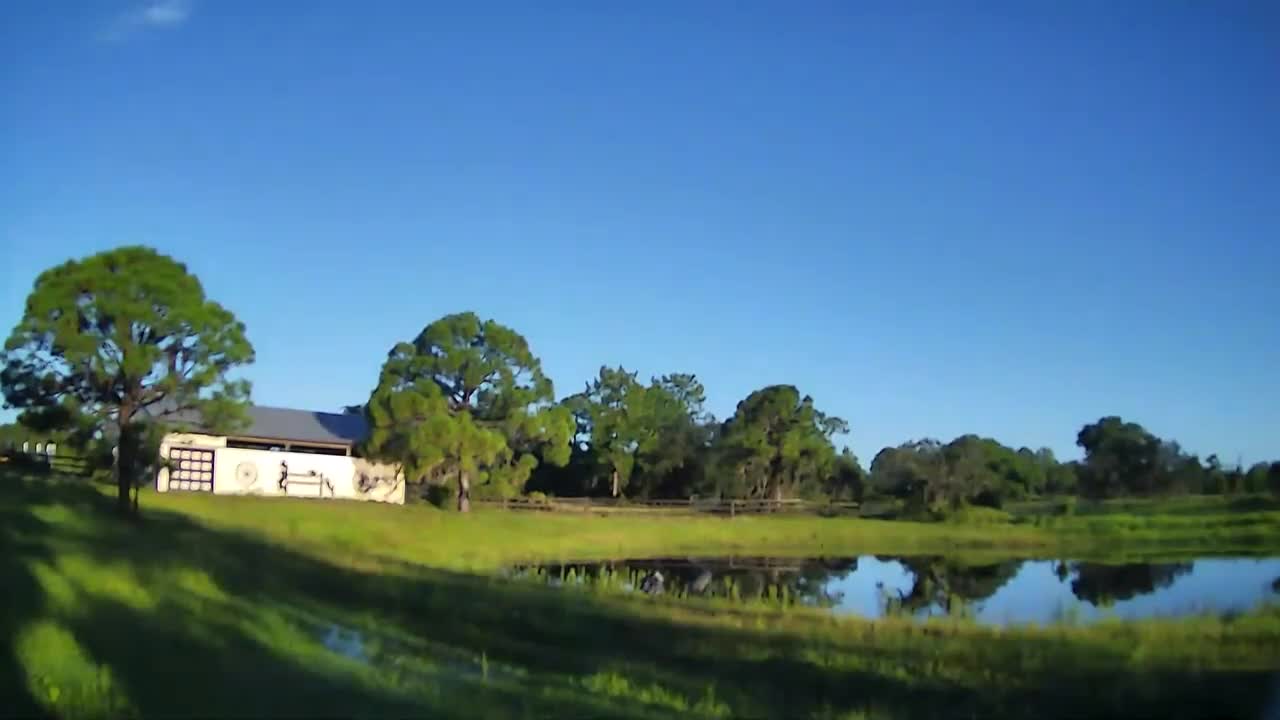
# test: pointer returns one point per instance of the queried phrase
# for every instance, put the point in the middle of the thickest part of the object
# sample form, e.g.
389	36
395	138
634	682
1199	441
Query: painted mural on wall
213	467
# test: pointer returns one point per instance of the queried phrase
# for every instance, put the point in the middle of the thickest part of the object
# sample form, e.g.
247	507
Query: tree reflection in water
944	586
802	581
1105	584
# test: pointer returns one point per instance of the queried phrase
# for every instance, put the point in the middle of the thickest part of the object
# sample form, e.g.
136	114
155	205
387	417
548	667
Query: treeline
465	405
467	400
1120	459
126	340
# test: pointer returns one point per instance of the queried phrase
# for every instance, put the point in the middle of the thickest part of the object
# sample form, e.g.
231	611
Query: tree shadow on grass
170	617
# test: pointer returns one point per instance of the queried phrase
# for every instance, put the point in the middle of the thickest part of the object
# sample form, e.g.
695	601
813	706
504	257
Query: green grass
221	606
489	538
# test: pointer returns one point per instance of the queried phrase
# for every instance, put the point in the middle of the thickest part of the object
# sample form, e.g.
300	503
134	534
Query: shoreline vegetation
253	593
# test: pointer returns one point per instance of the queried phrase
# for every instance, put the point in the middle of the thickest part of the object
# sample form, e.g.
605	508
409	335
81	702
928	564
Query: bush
538	496
443	496
1067	507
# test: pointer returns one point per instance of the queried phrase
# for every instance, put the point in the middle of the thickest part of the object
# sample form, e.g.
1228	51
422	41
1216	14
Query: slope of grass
488	538
244	607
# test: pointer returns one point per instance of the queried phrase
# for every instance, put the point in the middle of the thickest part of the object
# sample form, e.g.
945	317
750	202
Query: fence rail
712	506
67	464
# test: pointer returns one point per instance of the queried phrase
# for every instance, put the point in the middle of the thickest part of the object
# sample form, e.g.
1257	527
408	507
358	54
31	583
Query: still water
1003	593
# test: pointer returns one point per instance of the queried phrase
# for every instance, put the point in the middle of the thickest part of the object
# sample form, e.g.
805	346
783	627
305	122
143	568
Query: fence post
732	507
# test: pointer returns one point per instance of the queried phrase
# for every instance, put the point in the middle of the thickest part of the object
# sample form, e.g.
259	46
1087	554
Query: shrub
1067	507
443	495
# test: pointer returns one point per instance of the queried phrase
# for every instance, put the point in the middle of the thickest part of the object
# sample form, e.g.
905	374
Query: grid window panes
190	469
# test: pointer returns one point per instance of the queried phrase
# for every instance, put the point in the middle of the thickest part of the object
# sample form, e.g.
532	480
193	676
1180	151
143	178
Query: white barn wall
243	471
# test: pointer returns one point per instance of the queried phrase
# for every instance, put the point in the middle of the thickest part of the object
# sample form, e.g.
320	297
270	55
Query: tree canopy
121	345
125	339
929	475
777	443
642	440
467	398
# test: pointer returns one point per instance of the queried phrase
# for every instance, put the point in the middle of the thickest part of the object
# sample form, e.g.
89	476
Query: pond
999	593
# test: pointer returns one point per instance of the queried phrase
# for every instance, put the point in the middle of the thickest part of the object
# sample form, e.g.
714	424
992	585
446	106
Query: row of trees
124	344
1120	459
467	401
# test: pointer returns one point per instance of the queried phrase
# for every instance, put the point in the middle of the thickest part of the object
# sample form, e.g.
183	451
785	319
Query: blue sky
1006	218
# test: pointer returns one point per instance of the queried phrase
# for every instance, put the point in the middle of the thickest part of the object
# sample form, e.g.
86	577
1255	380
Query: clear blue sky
1007	218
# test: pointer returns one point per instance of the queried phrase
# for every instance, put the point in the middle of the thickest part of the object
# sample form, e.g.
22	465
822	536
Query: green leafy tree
848	480
612	418
645	440
776	444
671	457
126	342
468	399
970	469
917	473
1062	478
1120	458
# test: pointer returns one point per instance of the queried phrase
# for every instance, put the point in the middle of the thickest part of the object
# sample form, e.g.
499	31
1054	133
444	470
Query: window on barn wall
190	469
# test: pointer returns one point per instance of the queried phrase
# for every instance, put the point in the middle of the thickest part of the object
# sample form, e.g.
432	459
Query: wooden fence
33	462
713	506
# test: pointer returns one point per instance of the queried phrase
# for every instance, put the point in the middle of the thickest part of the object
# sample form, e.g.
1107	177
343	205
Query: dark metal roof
303	426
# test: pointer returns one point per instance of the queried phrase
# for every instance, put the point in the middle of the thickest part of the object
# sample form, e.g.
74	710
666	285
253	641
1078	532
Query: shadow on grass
170	617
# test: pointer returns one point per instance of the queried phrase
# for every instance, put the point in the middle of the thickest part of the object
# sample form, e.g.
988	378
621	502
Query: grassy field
229	606
489	538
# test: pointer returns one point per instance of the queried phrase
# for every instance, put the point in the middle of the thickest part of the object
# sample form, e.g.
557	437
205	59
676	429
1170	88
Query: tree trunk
126	467
464	492
777	496
614	486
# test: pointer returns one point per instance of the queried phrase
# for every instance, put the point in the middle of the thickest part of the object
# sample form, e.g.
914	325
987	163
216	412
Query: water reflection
1009	592
804	581
1105	584
948	587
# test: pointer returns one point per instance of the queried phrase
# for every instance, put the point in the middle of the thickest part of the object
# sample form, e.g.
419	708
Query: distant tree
125	341
848	480
611	414
353	409
906	471
934	477
1255	481
468	399
777	443
1120	458
644	440
672	461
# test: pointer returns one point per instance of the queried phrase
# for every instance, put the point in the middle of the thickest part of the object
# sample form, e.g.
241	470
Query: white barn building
285	453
